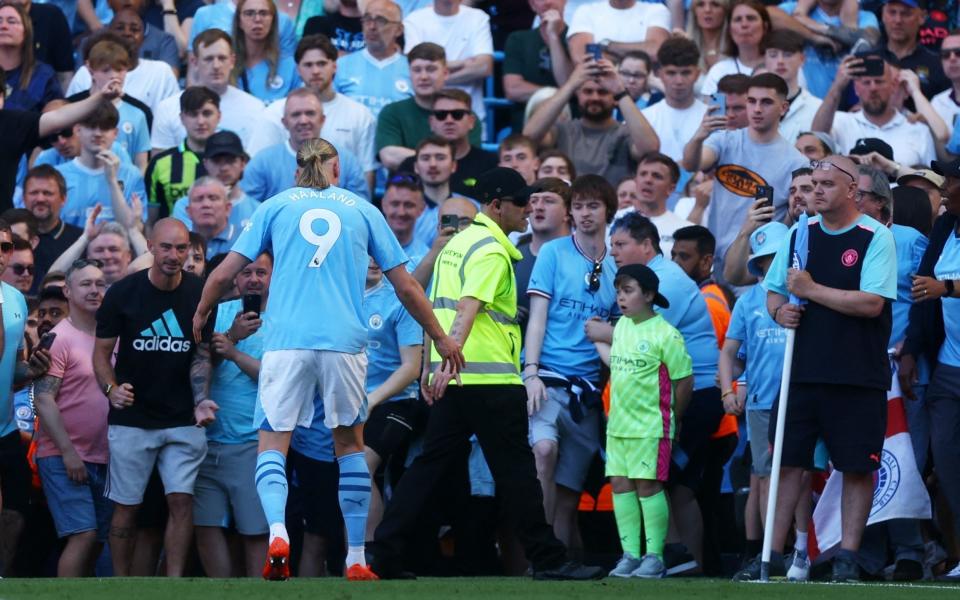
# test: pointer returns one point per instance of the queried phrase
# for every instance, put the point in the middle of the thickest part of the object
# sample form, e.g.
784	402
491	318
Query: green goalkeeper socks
656	515
626	509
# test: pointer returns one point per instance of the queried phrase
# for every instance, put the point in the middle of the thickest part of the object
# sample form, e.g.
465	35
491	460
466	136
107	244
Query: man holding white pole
840	370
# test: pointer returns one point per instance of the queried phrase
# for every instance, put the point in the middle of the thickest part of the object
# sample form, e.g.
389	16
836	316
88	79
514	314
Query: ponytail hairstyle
310	159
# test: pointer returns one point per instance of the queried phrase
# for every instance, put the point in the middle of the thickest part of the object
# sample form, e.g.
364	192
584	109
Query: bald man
841	373
455	206
157	393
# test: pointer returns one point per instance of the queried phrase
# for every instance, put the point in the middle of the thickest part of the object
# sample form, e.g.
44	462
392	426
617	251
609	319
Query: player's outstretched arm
218	283
413	299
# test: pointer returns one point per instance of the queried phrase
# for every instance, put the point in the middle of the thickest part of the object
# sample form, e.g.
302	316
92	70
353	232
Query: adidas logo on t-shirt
163	335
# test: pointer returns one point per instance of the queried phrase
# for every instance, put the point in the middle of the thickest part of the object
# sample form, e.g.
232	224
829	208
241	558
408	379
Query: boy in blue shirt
571	283
754	335
98	176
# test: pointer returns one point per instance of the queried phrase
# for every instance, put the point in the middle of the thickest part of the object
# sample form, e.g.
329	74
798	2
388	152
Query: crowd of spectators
686	137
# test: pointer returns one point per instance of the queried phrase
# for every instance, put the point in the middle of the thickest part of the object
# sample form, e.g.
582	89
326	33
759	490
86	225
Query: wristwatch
948	283
620	95
107	389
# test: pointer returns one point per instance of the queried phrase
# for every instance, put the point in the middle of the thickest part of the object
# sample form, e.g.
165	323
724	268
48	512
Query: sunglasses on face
6	247
946	53
457	114
19	269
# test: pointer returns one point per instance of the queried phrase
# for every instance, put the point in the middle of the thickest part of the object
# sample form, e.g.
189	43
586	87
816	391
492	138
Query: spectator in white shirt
783	55
749	23
464	33
619	26
913	143
946	103
149	81
211	63
677	116
348	124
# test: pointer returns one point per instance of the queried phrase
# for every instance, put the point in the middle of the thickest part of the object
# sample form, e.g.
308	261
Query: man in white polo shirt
464	33
620	26
912	142
211	63
945	103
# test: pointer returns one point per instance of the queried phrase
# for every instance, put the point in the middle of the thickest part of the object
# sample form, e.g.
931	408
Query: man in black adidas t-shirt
157	392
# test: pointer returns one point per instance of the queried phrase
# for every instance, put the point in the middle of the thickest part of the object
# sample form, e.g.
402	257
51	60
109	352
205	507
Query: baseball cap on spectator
868	145
648	280
925	174
824	137
764	242
947	168
502	183
224	142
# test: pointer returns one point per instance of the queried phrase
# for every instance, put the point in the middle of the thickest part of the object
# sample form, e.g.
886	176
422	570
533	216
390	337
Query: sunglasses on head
457	114
81	263
408	178
824	165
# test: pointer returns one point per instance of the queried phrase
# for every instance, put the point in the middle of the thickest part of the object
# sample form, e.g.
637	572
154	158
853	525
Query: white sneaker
799	568
651	567
625	566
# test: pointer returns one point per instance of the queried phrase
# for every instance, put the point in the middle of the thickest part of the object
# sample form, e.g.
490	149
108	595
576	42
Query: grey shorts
177	452
225	493
577	442
758	423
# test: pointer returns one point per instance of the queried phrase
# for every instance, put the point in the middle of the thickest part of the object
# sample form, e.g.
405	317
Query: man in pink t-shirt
72	448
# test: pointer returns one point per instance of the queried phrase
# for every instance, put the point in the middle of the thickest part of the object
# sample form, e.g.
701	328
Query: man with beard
912	142
597	143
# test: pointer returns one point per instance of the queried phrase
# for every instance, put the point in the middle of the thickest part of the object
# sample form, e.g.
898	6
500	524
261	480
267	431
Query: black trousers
497	414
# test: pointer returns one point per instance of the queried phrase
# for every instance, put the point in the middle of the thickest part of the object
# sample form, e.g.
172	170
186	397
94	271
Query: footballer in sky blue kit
315	334
272	170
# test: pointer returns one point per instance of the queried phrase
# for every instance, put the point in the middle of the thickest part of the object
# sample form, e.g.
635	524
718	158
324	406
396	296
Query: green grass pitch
452	589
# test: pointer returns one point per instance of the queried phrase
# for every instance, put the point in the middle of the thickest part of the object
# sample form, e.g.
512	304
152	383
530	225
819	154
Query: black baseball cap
868	145
503	183
947	168
224	142
648	280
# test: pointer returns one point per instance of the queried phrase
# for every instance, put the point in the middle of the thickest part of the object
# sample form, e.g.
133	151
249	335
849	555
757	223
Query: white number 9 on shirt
325	241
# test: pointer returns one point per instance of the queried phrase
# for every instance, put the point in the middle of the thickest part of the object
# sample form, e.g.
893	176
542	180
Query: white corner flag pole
777	454
798	261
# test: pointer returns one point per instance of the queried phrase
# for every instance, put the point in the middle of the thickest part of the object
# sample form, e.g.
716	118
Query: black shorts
690	450
15	473
391	426
313	492
852	421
